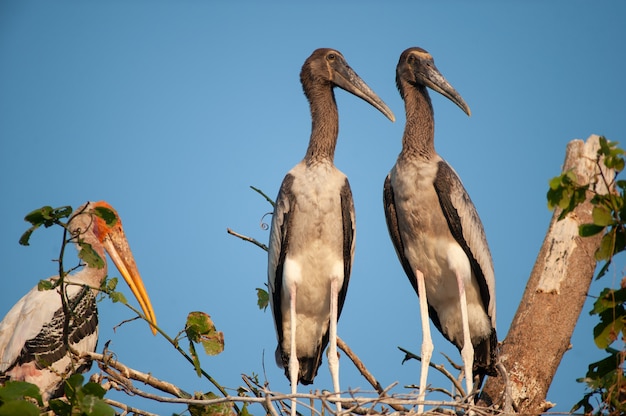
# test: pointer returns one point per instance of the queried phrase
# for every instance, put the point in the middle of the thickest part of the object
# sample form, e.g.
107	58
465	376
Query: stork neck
419	131
325	125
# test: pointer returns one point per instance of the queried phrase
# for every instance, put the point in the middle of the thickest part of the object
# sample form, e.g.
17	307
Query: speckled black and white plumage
36	332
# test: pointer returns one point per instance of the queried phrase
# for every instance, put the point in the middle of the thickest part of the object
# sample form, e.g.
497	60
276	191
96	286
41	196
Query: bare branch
246	238
363	370
107	361
440	368
128	409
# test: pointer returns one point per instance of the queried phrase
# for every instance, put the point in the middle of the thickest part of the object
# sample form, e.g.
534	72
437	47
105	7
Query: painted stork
436	231
311	243
32	346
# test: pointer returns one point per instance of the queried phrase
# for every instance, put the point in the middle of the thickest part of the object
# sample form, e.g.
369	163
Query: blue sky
171	110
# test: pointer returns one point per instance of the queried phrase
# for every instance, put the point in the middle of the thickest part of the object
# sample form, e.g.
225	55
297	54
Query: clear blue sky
171	110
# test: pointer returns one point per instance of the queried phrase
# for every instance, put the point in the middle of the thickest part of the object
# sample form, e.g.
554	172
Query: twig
128	409
439	368
107	361
246	238
452	363
364	371
267	198
182	352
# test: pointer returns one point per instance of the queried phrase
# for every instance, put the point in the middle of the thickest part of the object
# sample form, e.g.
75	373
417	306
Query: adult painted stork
311	243
32	346
436	231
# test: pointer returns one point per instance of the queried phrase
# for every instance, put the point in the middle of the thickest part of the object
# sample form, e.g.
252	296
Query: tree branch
554	296
246	238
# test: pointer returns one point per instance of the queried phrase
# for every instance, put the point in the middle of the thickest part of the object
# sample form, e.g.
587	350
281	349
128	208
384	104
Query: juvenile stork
436	231
32	345
312	235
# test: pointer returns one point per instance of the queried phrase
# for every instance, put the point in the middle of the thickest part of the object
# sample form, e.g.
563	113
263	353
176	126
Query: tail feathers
308	365
486	356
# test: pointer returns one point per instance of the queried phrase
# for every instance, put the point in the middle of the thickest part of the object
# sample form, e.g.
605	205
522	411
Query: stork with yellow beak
33	346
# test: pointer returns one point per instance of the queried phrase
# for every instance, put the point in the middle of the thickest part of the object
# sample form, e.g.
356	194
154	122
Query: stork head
416	67
327	67
98	223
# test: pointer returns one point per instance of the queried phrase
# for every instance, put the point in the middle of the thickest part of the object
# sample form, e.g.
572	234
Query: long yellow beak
119	250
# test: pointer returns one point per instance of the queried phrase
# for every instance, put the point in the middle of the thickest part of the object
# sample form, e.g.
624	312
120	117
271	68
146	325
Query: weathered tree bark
556	291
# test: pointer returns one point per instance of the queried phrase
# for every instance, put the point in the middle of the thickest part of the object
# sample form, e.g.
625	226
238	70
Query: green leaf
94	389
90	256
111	284
107	215
59	407
607	244
45	285
607	331
219	409
39	216
604	269
263	298
73	384
94	406
24	239
587	230
47	215
17	390
602	216
244	410
620	240
605	301
118	297
584	403
19	407
200	329
602	371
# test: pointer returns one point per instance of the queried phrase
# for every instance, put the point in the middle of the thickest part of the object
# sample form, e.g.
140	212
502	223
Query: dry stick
107	360
246	238
128	409
125	371
257	393
364	371
439	368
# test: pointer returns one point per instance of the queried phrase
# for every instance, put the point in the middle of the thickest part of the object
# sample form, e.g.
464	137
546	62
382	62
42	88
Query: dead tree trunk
556	291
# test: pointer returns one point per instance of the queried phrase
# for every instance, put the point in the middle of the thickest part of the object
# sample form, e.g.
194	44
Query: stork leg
427	343
294	365
333	358
467	352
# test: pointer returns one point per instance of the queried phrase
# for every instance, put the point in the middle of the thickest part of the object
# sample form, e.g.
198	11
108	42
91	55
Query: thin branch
363	370
246	238
439	368
122	377
180	350
128	409
267	198
107	361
